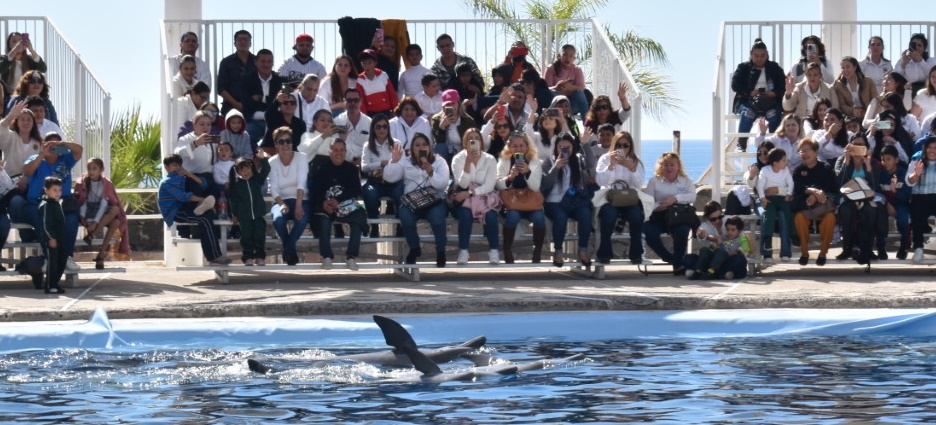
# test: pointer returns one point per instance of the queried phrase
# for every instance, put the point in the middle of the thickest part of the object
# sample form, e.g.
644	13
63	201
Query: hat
304	37
367	54
450	96
557	99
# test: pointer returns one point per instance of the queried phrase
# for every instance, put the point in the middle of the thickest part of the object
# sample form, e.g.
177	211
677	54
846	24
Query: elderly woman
620	164
289	173
669	186
421	169
814	192
565	187
450	125
19	59
474	173
858	218
408	121
519	167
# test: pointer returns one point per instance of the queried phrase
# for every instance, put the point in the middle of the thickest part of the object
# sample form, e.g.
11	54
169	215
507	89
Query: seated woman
101	208
20	58
496	132
833	137
500	78
802	97
893	83
897	194
858	218
813	121
474	173
620	164
408	121
885	132
758	87
569	122
334	189
197	150
519	167
517	59
208	108
920	176
533	83
184	79
377	154
786	138
814	194
282	113
601	111
289	174
548	128
853	89
812	51
565	77
450	125
924	104
669	186
565	187
422	169
33	83
915	62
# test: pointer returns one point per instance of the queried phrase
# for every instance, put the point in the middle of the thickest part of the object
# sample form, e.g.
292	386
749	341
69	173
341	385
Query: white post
840	39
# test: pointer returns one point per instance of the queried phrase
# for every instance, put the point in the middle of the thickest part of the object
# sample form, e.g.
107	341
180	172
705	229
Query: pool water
887	375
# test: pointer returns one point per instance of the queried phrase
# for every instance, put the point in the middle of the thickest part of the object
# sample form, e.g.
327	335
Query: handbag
763	103
818	211
621	195
681	215
522	199
70	204
857	189
421	199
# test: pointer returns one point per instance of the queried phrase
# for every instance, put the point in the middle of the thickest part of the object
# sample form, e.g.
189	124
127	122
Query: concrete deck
149	289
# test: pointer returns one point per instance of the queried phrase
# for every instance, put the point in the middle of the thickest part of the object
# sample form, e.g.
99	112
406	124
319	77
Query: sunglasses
714	219
289	103
355	100
603	107
501	126
623	146
283	141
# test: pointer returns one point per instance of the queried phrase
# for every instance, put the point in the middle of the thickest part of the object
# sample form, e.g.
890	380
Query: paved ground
150	290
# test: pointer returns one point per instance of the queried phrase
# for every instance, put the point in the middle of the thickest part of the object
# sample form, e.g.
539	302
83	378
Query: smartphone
810	49
473	145
423	154
552	112
25	36
286	88
449	111
564	152
762	90
501	109
215	138
860	150
379	36
883	125
518	158
911	46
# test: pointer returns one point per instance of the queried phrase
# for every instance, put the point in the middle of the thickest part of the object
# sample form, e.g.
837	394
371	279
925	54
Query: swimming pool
752	366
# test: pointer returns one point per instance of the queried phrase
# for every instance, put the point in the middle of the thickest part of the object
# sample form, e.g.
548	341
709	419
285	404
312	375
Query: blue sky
120	39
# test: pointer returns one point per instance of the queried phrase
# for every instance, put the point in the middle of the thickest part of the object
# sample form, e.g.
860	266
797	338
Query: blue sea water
695	154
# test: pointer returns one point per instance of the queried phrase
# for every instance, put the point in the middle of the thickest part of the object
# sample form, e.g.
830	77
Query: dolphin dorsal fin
397	337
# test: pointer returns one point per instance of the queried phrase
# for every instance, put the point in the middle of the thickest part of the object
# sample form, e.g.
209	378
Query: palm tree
135	157
641	55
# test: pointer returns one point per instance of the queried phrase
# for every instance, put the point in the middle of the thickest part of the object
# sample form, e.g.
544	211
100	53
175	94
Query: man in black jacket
260	89
758	85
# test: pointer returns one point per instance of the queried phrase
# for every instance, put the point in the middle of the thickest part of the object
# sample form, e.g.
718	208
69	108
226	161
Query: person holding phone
519	167
565	188
620	164
19	59
915	62
887	132
474	173
197	150
859	219
450	125
812	50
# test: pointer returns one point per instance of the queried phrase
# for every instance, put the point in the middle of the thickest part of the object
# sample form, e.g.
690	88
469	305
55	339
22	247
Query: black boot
414	253
539	235
375	230
509	234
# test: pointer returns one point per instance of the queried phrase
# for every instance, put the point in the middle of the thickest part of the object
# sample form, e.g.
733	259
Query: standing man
233	69
189	46
294	69
260	88
445	65
355	124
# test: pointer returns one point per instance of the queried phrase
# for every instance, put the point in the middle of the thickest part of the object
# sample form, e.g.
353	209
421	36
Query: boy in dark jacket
249	208
53	230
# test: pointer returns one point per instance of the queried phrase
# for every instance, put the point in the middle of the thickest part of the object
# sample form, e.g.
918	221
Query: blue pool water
764	366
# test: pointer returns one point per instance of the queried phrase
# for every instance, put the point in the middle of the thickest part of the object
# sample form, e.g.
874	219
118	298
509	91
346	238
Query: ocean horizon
696	155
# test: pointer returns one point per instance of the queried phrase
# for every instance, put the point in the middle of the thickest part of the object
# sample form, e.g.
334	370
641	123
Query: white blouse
287	180
483	174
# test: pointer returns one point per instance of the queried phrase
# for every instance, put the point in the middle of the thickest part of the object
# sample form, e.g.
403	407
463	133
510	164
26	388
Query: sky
119	40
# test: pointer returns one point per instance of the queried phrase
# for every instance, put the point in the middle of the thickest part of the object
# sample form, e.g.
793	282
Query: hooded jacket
247	194
240	140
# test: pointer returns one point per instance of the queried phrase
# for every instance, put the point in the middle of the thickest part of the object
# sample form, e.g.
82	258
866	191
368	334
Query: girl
774	185
249	208
183	81
565	189
100	208
377	154
235	134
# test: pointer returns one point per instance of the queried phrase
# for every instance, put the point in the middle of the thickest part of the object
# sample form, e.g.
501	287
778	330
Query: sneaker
690	274
352	264
220	261
71	265
249	262
205	205
785	258
54	291
326	263
729	275
494	256
918	255
462	257
260	262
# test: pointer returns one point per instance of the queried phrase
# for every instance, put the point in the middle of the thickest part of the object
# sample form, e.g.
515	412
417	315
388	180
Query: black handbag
763	103
681	215
421	199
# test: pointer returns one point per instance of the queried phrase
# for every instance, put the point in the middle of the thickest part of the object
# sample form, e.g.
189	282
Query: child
897	194
235	133
411	79
709	230
430	100
178	205
53	230
221	169
712	258
467	91
100	208
377	93
249	208
776	179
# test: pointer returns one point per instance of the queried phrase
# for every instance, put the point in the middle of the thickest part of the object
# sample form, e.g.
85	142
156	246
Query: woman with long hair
474	176
565	188
33	83
895	83
620	164
853	89
19	59
875	65
519	167
565	77
377	155
342	77
786	137
289	174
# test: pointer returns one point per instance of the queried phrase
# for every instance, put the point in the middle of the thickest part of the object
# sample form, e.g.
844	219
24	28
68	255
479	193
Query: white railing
487	41
783	44
81	101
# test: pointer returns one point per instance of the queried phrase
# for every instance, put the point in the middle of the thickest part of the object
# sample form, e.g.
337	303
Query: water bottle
223	207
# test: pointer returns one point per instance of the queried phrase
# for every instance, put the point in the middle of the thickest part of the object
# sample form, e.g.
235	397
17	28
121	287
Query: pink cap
450	96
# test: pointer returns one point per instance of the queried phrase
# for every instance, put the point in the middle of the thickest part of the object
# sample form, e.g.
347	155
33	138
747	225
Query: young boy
776	177
249	208
720	244
430	99
178	205
411	79
235	133
892	178
377	93
221	170
53	231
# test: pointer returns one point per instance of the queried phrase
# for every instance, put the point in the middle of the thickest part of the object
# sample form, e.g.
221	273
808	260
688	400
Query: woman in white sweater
377	155
475	177
519	167
620	166
289	171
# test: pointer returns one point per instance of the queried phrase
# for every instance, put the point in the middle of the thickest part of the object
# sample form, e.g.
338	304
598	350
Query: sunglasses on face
623	146
603	107
354	100
714	219
289	103
283	141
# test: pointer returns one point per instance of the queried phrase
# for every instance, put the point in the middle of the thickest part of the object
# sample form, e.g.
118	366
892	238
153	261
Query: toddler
248	208
235	133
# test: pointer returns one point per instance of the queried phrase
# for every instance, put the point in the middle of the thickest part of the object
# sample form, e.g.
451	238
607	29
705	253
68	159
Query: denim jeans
290	236
512	218
435	215
749	115
324	236
560	223
372	192
465	223
4	229
256	129
579	103
23	211
655	227
608	217
777	211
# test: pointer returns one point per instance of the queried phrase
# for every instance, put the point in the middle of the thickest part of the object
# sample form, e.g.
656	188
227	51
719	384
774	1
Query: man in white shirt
189	46
294	69
37	106
308	100
354	126
411	79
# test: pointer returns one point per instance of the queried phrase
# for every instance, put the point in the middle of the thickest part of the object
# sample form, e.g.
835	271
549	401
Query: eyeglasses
352	100
623	146
714	219
603	107
289	103
517	133
382	126
283	141
501	126
35	81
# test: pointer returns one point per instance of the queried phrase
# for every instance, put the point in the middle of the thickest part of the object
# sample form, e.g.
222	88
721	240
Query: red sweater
377	94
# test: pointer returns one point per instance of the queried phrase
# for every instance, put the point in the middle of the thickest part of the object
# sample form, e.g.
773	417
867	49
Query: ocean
696	155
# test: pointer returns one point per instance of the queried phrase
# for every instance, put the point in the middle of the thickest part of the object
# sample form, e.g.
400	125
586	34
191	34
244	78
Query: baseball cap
450	96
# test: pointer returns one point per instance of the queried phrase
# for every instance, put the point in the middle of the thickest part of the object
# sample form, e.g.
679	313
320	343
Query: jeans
442	149
290	237
324	236
749	115
256	129
466	221
777	206
608	217
4	229
579	103
560	223
903	226
512	218
23	211
435	215
372	192
655	227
